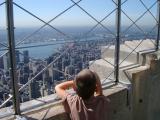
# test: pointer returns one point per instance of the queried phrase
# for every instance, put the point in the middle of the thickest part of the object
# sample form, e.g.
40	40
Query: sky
48	9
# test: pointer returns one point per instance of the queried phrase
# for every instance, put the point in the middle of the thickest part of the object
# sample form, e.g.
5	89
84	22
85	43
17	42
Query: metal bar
4	54
44	25
93	17
137	18
5	102
134	23
49	65
29	81
158	16
4	45
108	76
41	20
99	22
117	43
2	3
134	48
101	53
102	20
10	25
108	62
148	10
61	13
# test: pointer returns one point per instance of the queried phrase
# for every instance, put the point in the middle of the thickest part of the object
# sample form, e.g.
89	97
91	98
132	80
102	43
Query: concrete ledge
54	110
30	105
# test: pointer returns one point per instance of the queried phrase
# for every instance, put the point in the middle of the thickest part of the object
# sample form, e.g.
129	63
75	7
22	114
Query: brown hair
85	83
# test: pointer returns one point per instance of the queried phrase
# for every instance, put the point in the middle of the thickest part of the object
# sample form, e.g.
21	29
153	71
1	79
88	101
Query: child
88	103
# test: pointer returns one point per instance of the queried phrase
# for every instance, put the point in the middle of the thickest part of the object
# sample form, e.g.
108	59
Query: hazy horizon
75	17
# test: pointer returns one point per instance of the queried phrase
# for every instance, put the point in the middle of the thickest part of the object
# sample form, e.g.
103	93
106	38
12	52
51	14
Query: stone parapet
145	89
54	111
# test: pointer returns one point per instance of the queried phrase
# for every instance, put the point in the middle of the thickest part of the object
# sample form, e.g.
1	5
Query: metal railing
70	39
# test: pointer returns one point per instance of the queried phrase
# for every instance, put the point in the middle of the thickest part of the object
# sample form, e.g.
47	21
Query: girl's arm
98	85
60	88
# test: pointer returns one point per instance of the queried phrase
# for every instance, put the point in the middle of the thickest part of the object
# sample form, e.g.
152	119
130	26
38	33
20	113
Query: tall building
26	56
34	89
1	63
6	61
17	56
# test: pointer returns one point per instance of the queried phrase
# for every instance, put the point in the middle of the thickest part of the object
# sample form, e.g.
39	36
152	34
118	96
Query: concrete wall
119	109
118	106
145	93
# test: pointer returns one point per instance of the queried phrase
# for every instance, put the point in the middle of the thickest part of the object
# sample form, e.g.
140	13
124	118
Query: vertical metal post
10	25
117	43
158	31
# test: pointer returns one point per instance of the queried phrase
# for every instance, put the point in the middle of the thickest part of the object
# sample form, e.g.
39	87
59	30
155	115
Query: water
39	52
42	52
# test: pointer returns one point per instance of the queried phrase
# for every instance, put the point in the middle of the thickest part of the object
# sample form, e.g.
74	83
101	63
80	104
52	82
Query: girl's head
85	83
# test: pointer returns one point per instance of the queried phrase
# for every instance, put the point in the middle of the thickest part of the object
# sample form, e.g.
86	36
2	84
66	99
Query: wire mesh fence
111	40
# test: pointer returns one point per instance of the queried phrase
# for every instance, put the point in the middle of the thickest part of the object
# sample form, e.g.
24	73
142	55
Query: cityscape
75	59
70	63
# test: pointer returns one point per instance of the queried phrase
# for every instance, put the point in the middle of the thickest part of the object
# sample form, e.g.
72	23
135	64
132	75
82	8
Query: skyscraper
26	56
